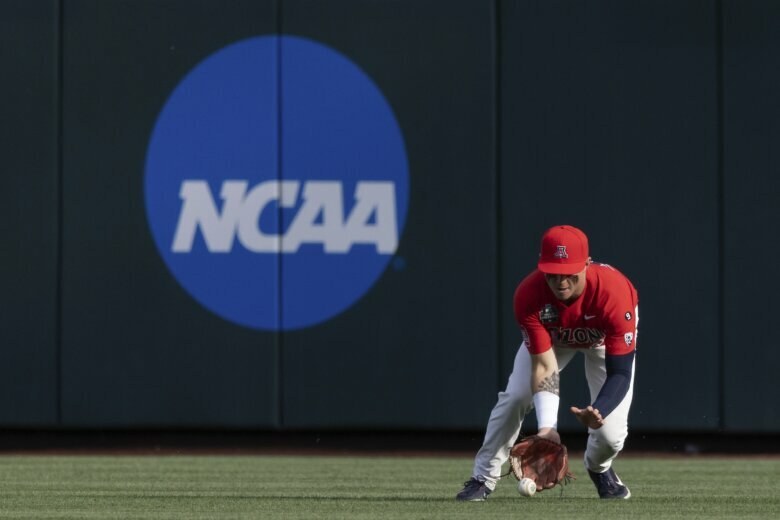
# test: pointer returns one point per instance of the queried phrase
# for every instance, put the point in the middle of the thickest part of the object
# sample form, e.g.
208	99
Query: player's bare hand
589	416
549	434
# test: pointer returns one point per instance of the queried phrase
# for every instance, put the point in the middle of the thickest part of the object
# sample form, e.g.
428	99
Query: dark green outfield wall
651	125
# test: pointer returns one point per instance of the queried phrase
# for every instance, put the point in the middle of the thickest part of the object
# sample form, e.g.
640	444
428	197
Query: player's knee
615	445
610	439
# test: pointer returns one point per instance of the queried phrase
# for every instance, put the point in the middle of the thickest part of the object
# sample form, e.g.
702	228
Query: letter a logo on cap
561	252
564	251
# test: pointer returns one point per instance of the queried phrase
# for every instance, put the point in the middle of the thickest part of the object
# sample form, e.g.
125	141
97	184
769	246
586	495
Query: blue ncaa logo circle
276	183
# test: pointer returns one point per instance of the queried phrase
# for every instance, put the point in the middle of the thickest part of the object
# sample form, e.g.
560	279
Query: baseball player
569	304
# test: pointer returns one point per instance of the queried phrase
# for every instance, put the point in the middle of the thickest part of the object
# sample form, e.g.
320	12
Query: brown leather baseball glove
543	460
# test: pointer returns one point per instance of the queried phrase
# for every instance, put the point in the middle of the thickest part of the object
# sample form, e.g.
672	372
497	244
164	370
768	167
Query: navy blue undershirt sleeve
618	381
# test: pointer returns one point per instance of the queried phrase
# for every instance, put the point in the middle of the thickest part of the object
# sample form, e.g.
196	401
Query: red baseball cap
564	250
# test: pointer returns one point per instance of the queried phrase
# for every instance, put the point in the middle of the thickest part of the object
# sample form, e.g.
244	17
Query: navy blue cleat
474	491
609	484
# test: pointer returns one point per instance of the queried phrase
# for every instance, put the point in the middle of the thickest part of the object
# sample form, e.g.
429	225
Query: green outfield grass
314	487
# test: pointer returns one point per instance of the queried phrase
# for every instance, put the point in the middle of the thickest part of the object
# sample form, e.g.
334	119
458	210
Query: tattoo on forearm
551	384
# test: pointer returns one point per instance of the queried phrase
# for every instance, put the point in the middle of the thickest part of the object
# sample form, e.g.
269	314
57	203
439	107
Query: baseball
526	487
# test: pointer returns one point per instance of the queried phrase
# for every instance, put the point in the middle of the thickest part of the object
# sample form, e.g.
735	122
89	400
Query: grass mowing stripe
177	487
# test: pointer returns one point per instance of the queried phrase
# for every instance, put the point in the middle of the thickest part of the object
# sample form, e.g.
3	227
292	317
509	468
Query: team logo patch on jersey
548	314
561	252
629	337
628	316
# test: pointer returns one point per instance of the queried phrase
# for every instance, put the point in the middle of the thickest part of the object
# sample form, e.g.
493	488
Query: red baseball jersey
605	313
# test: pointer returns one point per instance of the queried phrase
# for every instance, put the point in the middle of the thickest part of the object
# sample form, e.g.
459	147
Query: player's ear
588	261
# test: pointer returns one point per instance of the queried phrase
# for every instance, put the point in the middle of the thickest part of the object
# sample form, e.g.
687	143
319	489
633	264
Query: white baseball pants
517	400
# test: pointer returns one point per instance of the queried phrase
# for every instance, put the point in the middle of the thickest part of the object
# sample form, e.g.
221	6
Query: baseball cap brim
559	268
